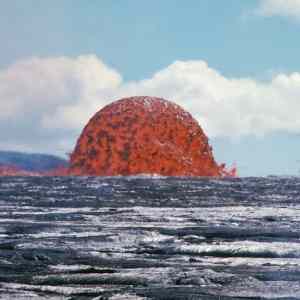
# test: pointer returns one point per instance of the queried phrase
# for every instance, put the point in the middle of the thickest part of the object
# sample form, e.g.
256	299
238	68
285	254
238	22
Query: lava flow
144	135
11	170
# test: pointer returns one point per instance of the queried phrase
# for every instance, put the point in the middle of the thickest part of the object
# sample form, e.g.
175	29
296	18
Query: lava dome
143	135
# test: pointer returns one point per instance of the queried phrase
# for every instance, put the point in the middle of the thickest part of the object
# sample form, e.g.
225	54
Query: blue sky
233	64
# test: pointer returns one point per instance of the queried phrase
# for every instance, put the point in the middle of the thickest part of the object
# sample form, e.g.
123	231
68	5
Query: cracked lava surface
143	135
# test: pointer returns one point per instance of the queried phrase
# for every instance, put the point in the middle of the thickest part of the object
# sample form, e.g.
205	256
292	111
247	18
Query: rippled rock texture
134	238
143	135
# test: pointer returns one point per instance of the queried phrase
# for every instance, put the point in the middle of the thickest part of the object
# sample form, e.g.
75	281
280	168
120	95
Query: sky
233	64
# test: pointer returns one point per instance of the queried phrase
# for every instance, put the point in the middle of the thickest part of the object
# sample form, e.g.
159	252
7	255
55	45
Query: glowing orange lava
144	135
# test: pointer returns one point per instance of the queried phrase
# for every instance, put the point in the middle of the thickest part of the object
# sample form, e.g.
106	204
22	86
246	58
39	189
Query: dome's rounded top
146	135
144	102
152	105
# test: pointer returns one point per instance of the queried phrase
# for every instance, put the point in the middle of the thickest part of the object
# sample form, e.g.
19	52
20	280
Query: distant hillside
32	162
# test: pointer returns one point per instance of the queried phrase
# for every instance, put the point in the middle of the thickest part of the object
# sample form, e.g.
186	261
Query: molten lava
143	135
11	170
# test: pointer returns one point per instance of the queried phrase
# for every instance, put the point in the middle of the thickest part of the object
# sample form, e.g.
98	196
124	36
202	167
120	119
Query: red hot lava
144	135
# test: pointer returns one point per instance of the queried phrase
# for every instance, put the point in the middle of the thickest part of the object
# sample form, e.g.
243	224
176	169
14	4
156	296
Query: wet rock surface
149	238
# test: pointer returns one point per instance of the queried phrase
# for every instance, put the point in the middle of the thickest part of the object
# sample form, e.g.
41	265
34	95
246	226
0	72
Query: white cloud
38	95
46	102
43	85
286	8
225	106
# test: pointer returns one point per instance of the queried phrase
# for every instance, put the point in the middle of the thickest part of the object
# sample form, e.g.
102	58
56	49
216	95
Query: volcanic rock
143	135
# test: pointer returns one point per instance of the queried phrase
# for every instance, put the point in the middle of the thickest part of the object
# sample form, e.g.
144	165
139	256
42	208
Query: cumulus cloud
286	8
48	83
45	102
227	106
